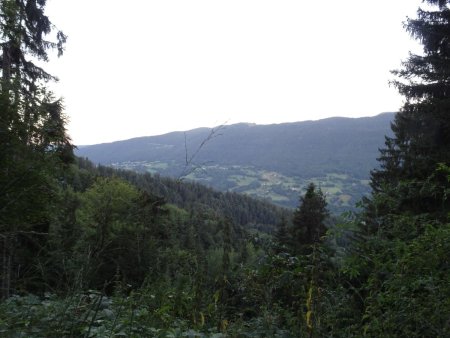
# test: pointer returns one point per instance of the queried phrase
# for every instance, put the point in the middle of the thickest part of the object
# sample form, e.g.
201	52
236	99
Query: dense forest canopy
96	252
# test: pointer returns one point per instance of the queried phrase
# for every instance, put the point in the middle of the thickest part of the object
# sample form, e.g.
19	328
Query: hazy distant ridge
306	149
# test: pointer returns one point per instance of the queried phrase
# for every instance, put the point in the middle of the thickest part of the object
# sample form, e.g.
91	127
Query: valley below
341	190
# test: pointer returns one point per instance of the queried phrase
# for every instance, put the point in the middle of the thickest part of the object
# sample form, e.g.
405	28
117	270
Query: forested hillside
245	211
272	162
91	251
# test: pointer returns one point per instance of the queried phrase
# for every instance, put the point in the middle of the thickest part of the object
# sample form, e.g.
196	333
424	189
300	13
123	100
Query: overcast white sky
146	67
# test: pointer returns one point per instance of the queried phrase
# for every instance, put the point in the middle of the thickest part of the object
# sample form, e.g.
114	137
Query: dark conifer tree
409	180
406	219
33	140
308	222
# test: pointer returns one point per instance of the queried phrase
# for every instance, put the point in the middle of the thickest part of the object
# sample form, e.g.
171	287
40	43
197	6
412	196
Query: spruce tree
33	140
409	180
397	273
308	222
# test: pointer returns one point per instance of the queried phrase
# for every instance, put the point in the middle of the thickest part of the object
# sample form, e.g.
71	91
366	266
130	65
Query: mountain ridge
249	124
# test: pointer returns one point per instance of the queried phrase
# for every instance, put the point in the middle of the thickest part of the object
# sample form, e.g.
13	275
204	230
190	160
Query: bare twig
190	166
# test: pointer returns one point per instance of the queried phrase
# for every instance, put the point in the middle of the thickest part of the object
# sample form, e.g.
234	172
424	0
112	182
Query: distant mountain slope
264	160
307	149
